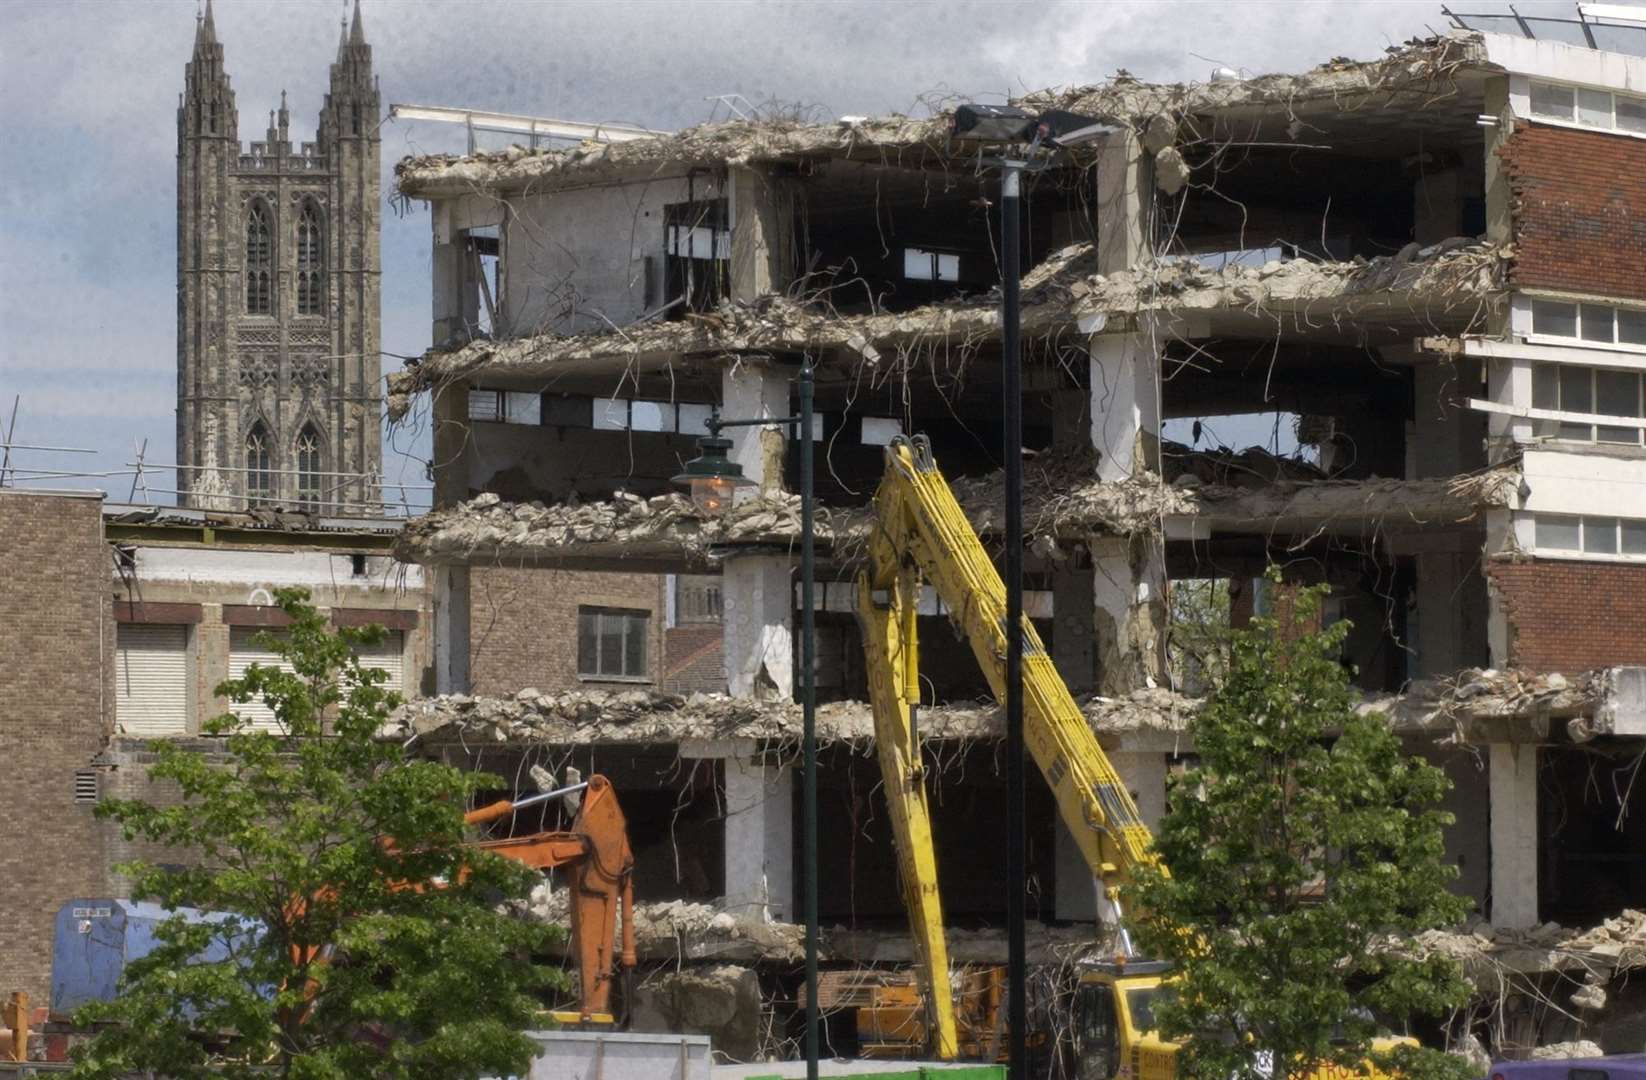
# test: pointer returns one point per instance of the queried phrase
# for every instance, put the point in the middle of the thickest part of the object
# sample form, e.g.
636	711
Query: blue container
95	939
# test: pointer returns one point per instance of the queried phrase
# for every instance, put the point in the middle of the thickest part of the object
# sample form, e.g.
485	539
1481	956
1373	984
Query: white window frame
1589	418
1543	337
1573	120
631	617
1582	553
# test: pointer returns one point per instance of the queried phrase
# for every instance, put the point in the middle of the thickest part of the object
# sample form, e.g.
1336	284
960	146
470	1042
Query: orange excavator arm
600	877
600	873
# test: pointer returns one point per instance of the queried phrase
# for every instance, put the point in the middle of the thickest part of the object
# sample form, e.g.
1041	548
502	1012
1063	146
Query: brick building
1424	269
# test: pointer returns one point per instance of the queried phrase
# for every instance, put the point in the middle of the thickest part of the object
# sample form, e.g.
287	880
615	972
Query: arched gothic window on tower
213	128
259	466
310	278
308	468
259	262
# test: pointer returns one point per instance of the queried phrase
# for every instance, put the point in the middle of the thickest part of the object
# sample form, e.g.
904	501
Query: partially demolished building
1428	267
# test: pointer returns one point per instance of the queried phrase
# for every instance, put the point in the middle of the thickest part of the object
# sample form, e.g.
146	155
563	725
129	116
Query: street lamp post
1056	128
712	478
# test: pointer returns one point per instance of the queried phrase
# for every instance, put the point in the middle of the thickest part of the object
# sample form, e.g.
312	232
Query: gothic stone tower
278	271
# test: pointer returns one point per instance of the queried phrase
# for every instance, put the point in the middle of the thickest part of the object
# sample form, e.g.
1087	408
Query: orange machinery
600	875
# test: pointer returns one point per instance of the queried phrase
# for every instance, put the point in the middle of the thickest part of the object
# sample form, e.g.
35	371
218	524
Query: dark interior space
1592	836
879	238
949	673
967	788
1368	399
1316	204
1369	589
674	809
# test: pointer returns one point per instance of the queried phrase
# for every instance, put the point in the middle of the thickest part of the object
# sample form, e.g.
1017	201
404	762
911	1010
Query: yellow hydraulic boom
920	534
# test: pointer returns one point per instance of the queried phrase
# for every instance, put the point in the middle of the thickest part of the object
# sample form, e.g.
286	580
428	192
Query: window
921	265
697	598
310	279
1590	535
308	468
259	262
1587	107
506	406
259	466
611	643
696	255
1577	389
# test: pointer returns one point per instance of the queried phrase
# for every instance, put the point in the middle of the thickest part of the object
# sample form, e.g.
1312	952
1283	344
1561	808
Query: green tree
1303	843
357	936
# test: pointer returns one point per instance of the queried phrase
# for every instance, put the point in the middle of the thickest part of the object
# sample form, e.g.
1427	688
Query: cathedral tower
278	271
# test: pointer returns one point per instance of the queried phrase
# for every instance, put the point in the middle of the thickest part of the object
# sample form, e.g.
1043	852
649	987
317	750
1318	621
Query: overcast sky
88	89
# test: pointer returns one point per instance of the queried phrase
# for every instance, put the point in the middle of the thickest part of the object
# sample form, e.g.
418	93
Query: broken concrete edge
1472	705
1447	285
682	930
1062	504
1411	75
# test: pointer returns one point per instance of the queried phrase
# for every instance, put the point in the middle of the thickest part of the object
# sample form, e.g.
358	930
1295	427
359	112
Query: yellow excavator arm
921	534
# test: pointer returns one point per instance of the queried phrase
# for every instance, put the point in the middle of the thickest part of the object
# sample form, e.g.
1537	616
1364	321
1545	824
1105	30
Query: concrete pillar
762	212
1129	612
759	838
1144	774
209	665
1126	403
751	389
456	301
1513	777
453	439
757	619
1122	193
451	629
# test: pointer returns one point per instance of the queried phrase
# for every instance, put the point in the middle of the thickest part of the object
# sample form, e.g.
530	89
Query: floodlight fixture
992	123
1058	127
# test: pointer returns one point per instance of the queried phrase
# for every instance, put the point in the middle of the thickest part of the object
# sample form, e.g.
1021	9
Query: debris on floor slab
1577	1048
1612	948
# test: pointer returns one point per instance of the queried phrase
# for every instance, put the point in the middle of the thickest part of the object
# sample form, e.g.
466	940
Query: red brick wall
523	625
1579	210
55	625
696	659
1571	616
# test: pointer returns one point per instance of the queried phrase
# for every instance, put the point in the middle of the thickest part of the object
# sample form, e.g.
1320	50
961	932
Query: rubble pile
1595	955
683	930
1459	273
582	717
892	140
1475	702
770	323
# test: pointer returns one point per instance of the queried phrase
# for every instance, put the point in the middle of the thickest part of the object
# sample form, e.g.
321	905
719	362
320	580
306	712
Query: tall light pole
1012	126
712	478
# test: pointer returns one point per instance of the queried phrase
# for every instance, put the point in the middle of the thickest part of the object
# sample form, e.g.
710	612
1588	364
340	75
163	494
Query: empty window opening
1592	834
357	565
696	256
611	643
259	466
483	248
259	261
310	273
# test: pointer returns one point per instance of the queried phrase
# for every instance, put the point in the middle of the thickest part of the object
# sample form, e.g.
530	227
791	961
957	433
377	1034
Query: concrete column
757	619
751	389
1126	403
451	629
1513	777
453	440
762	212
456	302
1122	191
209	665
759	838
1129	612
1144	774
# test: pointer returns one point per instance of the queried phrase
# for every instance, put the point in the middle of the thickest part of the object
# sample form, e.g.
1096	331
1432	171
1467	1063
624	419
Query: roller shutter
243	653
386	655
151	679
